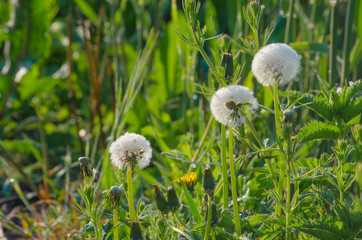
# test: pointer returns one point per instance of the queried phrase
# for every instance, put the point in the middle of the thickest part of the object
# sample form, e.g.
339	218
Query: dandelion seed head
228	105
129	150
275	63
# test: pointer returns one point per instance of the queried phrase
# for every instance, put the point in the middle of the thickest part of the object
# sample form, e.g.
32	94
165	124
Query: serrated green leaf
352	110
318	130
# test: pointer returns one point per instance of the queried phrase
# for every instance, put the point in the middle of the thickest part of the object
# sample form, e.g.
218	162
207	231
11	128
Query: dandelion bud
208	182
227	63
160	200
214	218
114	195
136	233
288	115
288	123
172	199
85	167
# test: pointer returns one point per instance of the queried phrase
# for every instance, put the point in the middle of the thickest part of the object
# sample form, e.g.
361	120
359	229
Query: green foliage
318	130
75	75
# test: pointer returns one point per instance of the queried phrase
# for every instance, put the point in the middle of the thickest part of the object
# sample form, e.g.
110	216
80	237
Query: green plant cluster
75	75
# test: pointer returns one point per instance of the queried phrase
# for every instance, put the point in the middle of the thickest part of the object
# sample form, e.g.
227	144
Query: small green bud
172	199
282	106
136	233
288	115
214	218
254	8
208	182
288	123
224	43
357	133
160	200
228	63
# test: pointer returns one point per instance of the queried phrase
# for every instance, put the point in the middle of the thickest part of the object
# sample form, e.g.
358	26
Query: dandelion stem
224	168
191	220
213	234
115	222
86	179
347	40
132	211
277	114
288	213
288	28
332	71
208	223
233	183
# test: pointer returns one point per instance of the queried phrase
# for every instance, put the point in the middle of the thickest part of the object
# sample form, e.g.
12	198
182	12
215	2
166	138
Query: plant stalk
288	213
332	71
132	211
233	183
115	222
208	223
347	40
288	29
224	168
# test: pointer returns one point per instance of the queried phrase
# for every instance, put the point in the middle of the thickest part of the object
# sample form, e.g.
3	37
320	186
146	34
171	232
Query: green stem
191	221
233	183
288	213
132	211
347	40
288	28
332	71
115	222
213	234
208	224
280	186
277	114
224	168
86	178
254	132
271	171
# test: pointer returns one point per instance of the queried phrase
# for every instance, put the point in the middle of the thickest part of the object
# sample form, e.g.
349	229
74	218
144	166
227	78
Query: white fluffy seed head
228	104
129	150
276	63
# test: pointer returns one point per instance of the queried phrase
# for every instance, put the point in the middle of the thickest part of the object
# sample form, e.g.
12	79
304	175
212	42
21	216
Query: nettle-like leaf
353	109
318	130
318	104
352	90
346	224
322	230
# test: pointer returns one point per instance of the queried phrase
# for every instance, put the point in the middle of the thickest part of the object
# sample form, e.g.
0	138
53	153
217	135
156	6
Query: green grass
75	75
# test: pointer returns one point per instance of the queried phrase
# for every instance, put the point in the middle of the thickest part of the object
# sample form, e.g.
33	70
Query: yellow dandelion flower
189	179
